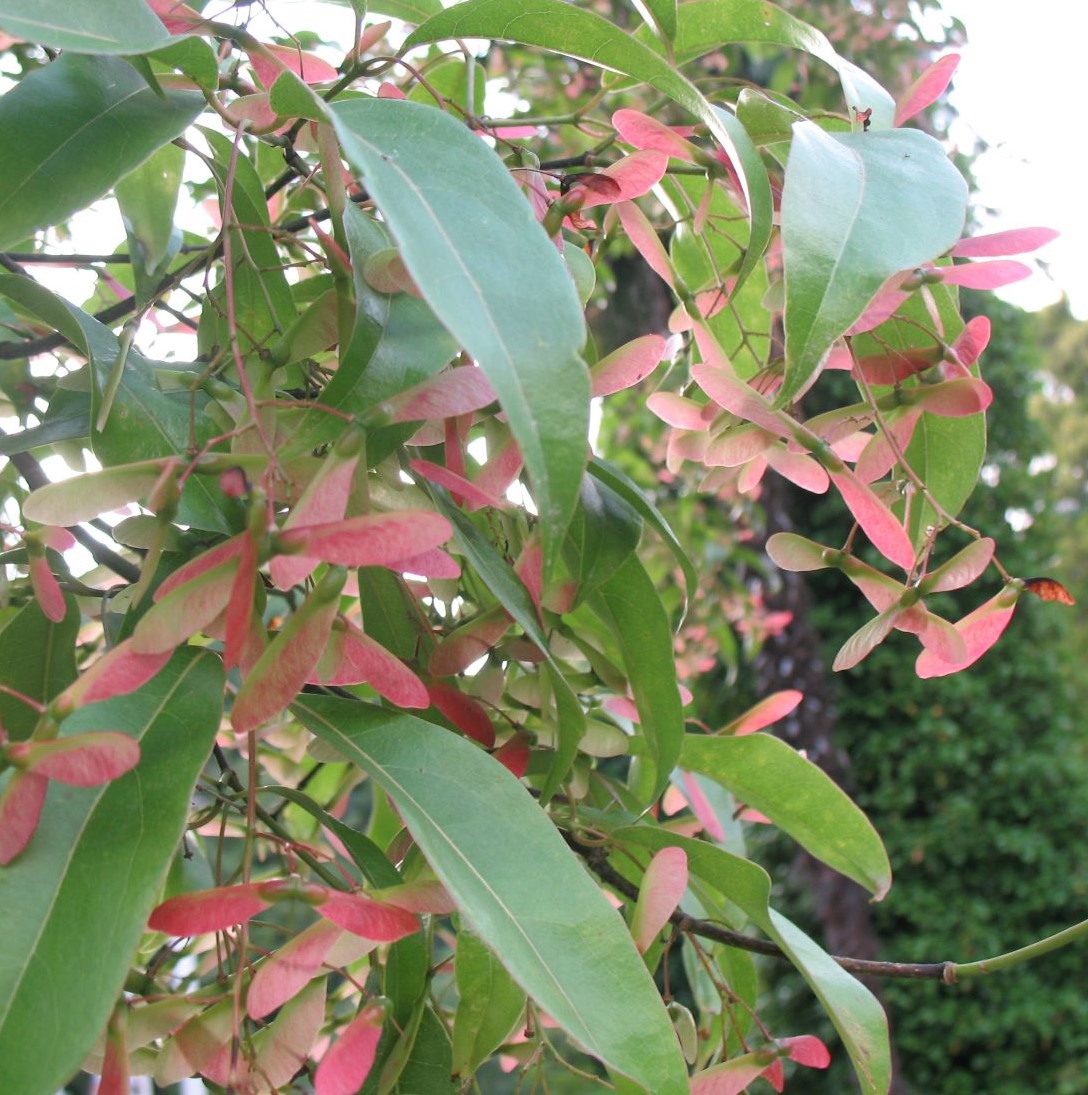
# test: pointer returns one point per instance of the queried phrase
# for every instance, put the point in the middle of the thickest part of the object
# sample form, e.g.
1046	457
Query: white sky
1019	88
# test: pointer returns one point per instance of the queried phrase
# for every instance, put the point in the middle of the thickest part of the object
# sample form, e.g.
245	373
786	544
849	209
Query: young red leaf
634	176
204	562
680	412
737	445
806	1049
885	533
463	711
43	581
988	274
514	754
239	615
788	551
435	563
979	629
799	468
1049	589
1015	241
348	1062
358	659
450	393
955	398
972	340
934	633
426	895
628	365
207	911
766	712
645	240
642	131
961	570
307	66
291	657
286	971
361	916
83	760
178	18
117	673
500	471
879	455
732	1077
662	888
377	539
928	88
20	809
456	484
114	1079
458	650
185	610
701	807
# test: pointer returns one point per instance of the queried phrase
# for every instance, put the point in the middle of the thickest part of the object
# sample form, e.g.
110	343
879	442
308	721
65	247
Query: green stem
1006	961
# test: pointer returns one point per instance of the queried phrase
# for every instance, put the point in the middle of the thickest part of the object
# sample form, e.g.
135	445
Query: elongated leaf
604	533
798	797
411	11
490	1004
556	26
856	1013
857	208
38	659
632	494
144	422
106	26
499	577
71	130
471	244
527	896
92	872
663	14
707	25
629	605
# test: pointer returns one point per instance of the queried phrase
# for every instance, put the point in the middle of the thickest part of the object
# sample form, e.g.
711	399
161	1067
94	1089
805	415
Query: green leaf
66	427
71	130
707	25
391	615
428	1068
106	26
629	606
499	577
855	1012
490	1005
411	11
39	661
766	774
76	901
605	531
144	422
663	15
148	198
520	887
632	493
471	244
193	56
857	208
556	26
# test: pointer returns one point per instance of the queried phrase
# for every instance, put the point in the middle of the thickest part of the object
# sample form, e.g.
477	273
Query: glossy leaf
52	912
855	1012
521	888
38	657
587	36
798	797
98	117
629	605
928	88
857	208
205	911
490	1004
485	266
109	26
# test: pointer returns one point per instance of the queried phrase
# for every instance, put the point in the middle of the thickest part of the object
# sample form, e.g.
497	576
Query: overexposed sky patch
1018	89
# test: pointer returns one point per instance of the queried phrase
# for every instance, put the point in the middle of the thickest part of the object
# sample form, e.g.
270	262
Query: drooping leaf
798	797
348	1061
857	208
629	605
489	1006
492	276
855	1012
39	661
520	887
51	911
95	116
663	886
